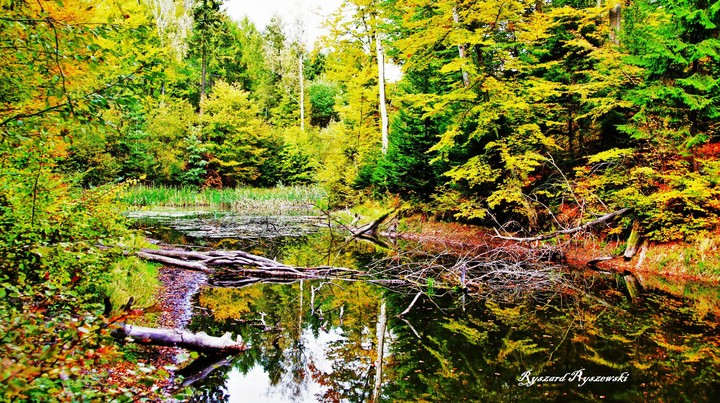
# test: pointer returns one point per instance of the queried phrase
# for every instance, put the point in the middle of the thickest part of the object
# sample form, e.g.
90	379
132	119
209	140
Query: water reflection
205	224
343	341
256	385
438	352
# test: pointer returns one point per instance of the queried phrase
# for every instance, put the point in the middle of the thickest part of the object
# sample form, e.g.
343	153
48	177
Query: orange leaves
68	12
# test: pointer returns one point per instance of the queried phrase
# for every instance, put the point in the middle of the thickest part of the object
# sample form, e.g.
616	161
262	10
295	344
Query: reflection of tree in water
478	354
444	350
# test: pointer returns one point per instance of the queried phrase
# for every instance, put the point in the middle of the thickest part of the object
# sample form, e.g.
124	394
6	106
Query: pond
357	341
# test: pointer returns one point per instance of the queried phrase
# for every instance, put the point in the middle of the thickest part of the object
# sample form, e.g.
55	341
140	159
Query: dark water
343	340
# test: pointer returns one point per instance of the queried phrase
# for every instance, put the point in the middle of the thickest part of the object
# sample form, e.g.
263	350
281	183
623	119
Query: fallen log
565	231
370	229
155	256
181	338
239	263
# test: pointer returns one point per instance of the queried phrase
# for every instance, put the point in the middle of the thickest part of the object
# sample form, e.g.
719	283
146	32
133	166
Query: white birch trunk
302	95
380	334
181	338
461	48
384	122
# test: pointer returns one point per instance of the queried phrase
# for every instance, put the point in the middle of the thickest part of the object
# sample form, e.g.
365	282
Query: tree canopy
507	113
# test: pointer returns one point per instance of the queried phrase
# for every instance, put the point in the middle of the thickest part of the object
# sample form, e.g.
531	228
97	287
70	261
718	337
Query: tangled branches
504	272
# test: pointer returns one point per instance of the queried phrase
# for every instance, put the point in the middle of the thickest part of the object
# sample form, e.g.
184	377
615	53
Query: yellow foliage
229	303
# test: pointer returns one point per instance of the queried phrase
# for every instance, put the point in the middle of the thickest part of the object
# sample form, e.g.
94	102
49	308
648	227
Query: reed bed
277	198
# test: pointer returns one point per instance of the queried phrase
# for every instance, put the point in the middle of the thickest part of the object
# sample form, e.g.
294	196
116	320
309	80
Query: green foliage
76	120
237	140
673	201
322	101
240	198
340	154
678	54
172	143
195	170
56	246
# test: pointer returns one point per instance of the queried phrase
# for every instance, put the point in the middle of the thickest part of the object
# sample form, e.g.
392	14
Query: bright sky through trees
311	12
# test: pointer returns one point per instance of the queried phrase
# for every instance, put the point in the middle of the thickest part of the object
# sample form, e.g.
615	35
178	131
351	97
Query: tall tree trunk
461	48
203	81
302	95
615	21
384	122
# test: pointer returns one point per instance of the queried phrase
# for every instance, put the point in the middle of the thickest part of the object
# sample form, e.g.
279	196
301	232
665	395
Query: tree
672	50
208	29
322	103
236	137
357	30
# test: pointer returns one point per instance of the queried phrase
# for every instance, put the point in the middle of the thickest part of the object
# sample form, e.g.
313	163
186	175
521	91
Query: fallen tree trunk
181	338
370	229
239	263
154	256
566	231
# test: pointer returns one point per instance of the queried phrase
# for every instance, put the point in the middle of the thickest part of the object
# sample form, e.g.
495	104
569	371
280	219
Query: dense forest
532	116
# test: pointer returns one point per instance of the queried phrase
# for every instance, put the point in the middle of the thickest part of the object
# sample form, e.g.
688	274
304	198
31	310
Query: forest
526	116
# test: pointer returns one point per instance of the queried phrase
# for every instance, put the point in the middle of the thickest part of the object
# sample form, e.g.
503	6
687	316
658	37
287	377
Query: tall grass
282	197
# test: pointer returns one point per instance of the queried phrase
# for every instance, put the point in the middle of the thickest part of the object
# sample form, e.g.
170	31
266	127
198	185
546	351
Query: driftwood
555	234
238	268
181	338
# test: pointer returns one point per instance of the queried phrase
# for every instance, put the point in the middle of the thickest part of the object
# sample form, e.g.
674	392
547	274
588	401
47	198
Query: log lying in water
181	338
370	230
238	262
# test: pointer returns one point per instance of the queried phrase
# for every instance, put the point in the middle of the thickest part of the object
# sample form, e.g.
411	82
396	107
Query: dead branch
500	272
551	235
411	305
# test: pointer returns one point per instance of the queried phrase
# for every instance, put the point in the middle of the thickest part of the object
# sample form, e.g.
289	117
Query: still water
334	340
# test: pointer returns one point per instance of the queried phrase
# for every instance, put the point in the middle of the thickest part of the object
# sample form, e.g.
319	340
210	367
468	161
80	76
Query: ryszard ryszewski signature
579	376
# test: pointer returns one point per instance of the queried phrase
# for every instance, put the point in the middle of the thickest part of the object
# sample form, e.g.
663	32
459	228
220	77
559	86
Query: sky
311	12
